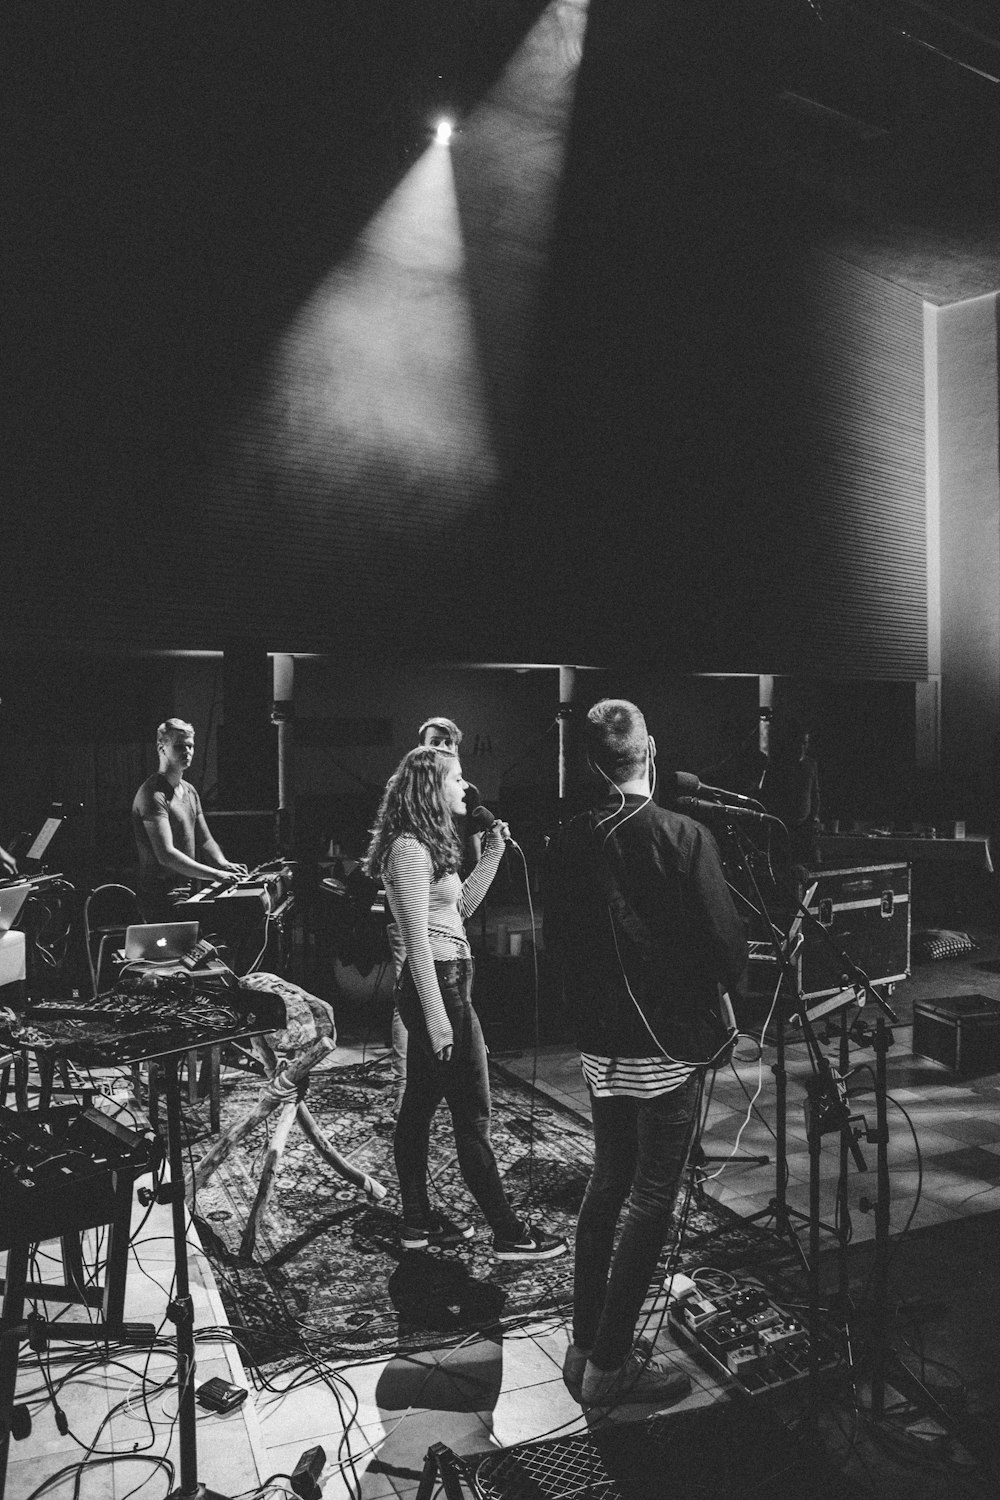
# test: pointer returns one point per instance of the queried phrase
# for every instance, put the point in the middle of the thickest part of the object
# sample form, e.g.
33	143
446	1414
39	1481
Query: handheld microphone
687	784
696	806
484	820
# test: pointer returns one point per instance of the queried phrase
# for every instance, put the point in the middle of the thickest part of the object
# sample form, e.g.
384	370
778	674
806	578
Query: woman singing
416	853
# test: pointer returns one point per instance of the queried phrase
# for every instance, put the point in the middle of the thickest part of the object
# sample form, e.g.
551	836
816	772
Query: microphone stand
777	1209
827	1109
884	1359
181	1310
699	1157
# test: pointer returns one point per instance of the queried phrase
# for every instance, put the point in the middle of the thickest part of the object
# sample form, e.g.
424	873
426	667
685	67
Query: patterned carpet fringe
328	1276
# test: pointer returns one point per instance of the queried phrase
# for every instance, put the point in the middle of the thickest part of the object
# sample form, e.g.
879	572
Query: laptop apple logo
161	942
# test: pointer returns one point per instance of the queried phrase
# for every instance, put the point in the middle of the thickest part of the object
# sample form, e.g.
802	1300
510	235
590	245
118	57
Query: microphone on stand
697	807
687	785
484	820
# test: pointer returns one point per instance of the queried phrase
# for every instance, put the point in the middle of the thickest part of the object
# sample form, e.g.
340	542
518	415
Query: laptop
159	942
12	898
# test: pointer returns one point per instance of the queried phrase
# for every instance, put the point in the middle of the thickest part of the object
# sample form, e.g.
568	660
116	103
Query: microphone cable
535	1029
480	815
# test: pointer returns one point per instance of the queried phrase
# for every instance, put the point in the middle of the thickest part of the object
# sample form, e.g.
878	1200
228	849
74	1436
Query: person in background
789	789
444	734
440	734
638	912
171	835
415	852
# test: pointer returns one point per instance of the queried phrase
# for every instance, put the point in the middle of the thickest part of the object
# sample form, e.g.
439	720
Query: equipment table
109	1032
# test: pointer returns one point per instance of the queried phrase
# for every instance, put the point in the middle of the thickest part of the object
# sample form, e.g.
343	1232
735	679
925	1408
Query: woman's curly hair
413	803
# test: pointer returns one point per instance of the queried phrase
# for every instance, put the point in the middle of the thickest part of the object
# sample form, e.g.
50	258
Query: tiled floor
104	1405
376	1421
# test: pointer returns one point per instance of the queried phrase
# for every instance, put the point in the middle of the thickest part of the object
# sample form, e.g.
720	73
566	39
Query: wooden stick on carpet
281	1091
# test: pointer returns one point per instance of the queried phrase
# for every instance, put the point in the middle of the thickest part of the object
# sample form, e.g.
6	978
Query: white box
12	958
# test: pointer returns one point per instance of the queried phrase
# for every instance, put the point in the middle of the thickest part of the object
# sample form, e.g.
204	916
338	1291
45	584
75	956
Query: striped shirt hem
637	1077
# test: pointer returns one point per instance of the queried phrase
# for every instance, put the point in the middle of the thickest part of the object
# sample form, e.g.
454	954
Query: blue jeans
640	1147
464	1083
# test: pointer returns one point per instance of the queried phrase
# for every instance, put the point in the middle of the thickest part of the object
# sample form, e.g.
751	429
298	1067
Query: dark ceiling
183	179
888	117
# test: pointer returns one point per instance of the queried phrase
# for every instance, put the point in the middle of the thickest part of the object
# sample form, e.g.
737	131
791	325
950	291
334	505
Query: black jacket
673	938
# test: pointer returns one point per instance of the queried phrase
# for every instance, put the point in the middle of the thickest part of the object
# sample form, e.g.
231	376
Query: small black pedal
138	1333
305	1475
220	1395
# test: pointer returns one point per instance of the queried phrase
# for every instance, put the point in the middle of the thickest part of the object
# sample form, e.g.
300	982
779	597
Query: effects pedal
220	1395
746	1358
748	1340
784	1336
723	1335
697	1311
756	1321
198	954
748	1300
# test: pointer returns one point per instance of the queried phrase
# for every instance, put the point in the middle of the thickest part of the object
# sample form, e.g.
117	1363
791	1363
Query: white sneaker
643	1377
574	1364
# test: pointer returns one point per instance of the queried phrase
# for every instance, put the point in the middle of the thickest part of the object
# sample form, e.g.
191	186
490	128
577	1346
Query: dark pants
464	1083
640	1147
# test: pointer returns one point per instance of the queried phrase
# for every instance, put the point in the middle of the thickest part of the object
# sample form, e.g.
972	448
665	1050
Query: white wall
967	485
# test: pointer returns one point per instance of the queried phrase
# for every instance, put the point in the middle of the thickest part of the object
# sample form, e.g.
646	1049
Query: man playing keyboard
171	835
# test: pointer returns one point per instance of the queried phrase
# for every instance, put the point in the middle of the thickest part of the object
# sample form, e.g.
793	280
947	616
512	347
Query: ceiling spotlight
442	134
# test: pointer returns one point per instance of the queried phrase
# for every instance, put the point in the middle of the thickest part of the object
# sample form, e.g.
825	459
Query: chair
108	912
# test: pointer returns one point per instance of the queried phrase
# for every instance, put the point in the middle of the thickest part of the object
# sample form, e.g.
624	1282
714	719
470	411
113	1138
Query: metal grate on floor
571	1466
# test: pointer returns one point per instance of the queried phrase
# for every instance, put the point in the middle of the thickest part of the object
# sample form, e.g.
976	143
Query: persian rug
328	1276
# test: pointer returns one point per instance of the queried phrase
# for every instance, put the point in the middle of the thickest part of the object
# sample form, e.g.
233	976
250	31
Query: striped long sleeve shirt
428	919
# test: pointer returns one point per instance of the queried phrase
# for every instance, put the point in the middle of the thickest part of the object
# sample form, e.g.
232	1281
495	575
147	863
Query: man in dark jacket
639	913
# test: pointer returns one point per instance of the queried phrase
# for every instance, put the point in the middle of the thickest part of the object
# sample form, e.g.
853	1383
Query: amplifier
863	911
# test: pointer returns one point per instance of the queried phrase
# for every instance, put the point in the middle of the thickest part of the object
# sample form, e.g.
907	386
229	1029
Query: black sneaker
437	1229
534	1244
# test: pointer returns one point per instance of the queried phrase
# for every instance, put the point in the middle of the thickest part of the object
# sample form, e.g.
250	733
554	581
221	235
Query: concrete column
765	708
567	698
283	714
964	507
